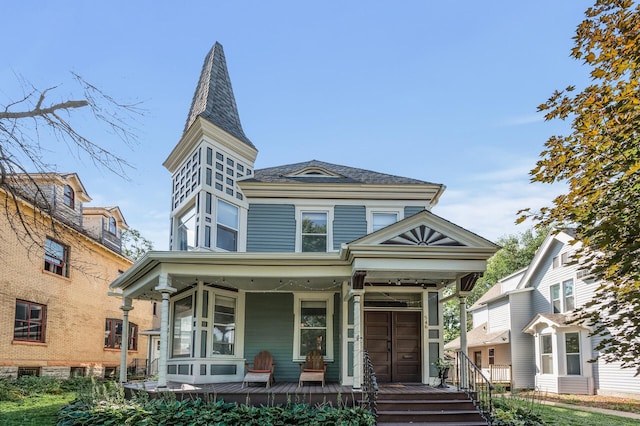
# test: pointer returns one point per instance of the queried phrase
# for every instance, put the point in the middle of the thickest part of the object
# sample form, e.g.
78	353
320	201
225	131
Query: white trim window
564	302
572	351
227	219
378	218
313	325
187	229
314	231
224	325
546	354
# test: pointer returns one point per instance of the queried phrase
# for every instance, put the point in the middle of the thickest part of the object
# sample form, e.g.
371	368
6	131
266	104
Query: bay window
572	351
182	327
227	226
224	325
546	354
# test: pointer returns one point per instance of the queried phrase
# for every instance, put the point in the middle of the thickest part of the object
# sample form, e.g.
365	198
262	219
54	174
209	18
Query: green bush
25	386
513	411
168	411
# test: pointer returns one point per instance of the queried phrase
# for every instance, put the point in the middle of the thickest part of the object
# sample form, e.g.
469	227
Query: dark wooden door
393	342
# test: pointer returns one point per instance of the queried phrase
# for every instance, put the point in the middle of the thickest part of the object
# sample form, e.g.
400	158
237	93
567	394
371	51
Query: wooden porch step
450	417
425	405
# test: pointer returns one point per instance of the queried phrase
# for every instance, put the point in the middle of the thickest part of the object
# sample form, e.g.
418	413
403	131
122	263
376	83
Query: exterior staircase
409	408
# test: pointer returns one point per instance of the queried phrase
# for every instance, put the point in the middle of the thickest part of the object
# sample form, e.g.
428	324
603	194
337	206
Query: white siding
576	385
499	318
612	379
480	316
522	344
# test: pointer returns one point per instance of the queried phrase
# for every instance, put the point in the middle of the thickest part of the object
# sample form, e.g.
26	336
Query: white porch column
164	286
463	339
357	343
124	343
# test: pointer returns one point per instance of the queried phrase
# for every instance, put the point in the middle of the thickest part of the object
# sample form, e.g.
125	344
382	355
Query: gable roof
328	173
563	236
552	320
479	337
213	99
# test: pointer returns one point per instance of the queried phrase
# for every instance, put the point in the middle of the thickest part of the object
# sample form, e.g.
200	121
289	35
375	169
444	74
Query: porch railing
369	385
470	379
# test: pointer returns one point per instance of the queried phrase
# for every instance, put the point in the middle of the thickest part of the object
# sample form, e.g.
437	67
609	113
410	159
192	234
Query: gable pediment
422	235
425	229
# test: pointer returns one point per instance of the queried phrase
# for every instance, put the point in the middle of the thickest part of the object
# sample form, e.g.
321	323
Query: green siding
411	210
349	223
269	326
271	228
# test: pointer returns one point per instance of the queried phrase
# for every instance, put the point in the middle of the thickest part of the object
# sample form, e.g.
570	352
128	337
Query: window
227	226
56	257
224	325
112	226
381	220
556	303
69	196
572	350
182	327
546	354
314	232
314	325
492	356
186	230
566	302
113	335
30	322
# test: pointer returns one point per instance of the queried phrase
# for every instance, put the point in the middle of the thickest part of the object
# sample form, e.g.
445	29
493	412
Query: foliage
134	245
168	411
600	162
34	410
517	411
517	251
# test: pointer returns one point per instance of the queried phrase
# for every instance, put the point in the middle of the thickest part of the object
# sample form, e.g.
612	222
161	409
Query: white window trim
371	210
566	354
552	354
562	295
297	301
314	209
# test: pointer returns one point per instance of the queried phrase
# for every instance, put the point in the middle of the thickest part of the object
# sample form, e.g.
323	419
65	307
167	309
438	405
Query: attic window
69	197
112	225
313	172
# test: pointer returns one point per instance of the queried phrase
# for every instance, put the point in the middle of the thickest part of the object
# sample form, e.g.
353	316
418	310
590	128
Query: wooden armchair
262	371
313	369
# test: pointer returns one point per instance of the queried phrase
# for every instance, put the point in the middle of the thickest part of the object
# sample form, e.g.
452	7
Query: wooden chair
313	369
262	371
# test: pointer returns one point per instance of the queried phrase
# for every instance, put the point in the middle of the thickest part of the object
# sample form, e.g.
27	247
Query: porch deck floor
281	392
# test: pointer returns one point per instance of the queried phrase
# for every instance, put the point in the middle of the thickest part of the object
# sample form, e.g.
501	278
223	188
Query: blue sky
440	91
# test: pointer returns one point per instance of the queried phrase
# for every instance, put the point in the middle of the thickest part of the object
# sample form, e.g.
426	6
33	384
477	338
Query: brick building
57	317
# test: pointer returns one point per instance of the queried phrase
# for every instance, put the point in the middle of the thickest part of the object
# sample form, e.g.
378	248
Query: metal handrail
369	385
474	383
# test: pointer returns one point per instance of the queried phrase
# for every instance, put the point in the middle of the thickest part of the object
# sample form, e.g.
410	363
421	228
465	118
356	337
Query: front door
393	342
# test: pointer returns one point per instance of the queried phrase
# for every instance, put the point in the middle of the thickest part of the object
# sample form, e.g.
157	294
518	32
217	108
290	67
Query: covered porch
218	310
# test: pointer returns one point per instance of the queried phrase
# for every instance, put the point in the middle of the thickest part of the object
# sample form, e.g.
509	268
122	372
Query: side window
56	257
30	320
187	230
572	350
314	231
69	196
226	226
113	334
546	354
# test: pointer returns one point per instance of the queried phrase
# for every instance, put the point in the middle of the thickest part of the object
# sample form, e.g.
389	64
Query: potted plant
443	365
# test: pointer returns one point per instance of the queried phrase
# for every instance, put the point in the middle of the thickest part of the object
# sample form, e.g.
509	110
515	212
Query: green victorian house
289	259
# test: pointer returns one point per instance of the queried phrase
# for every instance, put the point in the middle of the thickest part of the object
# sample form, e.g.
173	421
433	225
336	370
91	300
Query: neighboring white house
533	308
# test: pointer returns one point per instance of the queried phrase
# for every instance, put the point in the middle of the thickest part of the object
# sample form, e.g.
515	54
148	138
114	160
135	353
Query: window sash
572	350
30	319
113	335
69	196
314	231
546	354
224	325
187	230
182	327
382	220
55	257
313	325
569	297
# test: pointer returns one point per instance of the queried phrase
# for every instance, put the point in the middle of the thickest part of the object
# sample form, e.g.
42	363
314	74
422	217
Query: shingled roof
336	173
213	99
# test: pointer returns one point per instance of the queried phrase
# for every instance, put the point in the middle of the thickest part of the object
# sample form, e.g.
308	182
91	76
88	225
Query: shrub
514	411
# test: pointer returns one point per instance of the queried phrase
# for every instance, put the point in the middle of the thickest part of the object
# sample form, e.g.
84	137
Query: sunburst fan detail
422	236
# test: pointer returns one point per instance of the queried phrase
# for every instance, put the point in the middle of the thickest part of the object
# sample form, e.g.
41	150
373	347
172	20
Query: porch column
357	344
124	343
164	286
463	339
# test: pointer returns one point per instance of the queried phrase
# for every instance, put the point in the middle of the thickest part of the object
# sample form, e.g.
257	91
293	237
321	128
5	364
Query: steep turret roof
213	99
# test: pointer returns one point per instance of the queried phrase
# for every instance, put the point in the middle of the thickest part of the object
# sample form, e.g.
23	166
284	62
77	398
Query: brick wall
76	307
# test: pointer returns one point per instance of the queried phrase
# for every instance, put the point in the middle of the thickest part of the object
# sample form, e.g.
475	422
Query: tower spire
213	99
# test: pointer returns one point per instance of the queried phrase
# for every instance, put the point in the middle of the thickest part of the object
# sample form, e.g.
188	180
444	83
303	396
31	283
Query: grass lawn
567	417
37	410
